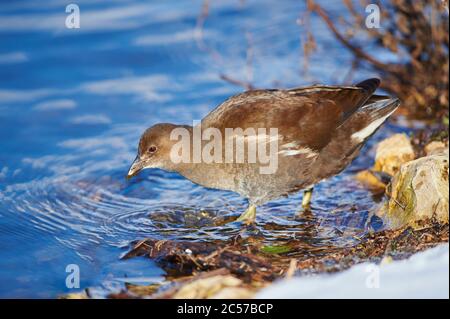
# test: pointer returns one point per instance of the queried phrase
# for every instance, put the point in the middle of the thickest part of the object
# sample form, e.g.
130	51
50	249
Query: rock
370	180
418	192
207	287
392	153
234	293
435	147
75	295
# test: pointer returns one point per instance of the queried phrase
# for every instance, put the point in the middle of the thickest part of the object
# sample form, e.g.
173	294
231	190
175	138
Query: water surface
73	104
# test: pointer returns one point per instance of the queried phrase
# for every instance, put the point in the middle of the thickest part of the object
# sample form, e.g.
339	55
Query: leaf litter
240	266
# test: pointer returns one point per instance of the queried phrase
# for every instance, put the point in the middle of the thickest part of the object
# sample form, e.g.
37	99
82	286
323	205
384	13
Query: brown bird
319	131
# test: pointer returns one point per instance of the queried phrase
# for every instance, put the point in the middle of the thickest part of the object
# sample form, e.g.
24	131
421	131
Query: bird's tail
373	114
351	135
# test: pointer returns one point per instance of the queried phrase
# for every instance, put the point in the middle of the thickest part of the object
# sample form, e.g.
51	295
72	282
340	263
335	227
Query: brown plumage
320	131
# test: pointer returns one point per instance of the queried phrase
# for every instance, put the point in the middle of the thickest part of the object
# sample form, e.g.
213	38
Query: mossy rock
419	191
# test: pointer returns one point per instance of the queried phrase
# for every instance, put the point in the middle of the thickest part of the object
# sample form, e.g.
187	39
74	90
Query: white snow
423	275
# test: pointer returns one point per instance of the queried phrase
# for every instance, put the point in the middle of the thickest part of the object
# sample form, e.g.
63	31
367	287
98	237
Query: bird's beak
135	168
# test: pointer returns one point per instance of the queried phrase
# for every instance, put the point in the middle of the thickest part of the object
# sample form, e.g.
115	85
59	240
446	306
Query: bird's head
154	149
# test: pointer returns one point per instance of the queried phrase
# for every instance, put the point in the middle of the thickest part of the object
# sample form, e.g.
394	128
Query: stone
234	293
435	147
206	287
75	295
392	152
371	181
419	192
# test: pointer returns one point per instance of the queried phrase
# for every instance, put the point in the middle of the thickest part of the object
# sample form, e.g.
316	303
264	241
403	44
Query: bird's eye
152	149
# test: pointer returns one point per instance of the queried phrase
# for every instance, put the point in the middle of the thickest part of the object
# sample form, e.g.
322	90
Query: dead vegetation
182	258
416	33
239	268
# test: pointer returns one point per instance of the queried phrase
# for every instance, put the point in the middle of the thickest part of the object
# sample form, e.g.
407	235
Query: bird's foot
249	216
306	201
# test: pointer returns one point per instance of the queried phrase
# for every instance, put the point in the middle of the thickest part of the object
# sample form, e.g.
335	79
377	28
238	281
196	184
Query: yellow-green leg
249	216
306	201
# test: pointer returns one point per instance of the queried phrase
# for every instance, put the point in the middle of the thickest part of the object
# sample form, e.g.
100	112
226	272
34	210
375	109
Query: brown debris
398	244
237	269
424	137
185	258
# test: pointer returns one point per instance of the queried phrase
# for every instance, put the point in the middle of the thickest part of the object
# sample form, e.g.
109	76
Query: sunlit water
74	102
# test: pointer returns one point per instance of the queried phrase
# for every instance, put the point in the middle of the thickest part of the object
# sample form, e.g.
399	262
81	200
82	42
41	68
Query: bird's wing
348	98
305	117
299	120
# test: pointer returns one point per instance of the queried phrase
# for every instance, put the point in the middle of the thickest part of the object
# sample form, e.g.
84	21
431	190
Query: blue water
73	103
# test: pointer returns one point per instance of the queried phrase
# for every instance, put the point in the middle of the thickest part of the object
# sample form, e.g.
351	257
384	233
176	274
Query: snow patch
423	275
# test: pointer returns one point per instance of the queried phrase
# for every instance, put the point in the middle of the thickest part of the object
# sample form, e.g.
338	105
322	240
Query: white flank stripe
261	138
309	153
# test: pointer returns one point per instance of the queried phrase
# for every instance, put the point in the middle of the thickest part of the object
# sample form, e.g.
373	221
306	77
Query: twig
292	268
356	50
246	85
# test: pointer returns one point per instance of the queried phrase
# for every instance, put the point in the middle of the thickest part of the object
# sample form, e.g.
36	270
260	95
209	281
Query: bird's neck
192	167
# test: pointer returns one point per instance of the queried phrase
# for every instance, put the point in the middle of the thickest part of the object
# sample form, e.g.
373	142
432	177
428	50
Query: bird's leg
306	201
249	216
